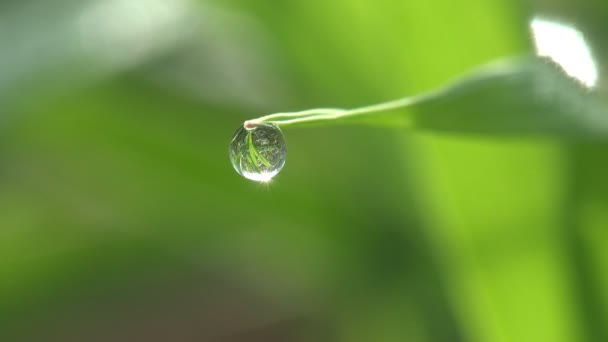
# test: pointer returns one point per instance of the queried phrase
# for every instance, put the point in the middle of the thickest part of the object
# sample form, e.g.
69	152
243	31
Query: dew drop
258	151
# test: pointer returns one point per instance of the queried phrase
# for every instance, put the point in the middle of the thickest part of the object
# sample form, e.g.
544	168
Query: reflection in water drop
567	47
258	152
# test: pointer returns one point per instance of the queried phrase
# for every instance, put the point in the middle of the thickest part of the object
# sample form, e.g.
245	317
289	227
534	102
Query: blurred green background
121	218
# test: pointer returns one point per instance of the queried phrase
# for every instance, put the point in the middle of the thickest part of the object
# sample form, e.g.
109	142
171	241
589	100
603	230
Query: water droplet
258	151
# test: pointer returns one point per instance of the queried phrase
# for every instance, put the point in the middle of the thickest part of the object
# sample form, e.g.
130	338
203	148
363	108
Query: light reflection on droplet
566	46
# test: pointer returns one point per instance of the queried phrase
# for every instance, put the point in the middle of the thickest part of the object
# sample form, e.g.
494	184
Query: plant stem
321	114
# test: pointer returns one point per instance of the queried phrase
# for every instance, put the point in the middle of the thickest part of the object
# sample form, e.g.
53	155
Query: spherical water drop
258	151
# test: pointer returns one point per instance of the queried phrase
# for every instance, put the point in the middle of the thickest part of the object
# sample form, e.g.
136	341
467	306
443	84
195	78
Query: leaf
523	96
520	96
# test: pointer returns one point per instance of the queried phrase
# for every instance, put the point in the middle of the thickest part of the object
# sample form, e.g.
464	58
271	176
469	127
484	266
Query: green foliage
525	96
121	217
520	97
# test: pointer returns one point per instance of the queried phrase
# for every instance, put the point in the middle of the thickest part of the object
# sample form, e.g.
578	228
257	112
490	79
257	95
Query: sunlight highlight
567	47
264	177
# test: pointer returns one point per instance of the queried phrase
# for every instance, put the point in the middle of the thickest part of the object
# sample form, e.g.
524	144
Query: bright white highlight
567	47
262	177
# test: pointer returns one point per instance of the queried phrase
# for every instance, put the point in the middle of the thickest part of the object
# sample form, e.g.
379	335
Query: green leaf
520	96
523	96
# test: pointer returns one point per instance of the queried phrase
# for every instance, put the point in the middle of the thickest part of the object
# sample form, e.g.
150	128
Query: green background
121	218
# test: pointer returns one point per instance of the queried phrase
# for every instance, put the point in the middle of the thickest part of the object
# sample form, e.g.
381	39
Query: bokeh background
121	218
